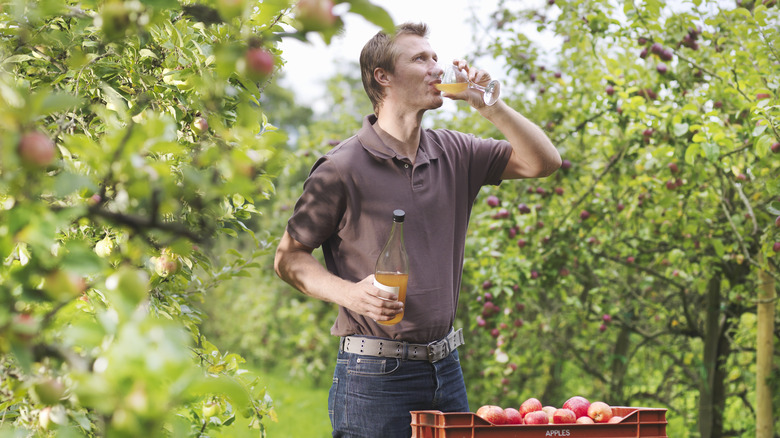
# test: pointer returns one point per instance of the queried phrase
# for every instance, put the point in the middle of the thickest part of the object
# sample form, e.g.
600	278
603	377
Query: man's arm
295	264
533	154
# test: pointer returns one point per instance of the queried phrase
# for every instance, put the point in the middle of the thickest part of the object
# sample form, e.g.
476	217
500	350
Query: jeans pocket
372	366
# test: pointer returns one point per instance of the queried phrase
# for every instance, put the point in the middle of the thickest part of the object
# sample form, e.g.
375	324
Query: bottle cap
398	215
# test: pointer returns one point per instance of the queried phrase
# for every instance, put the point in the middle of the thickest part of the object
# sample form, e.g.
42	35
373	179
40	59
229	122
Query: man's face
416	72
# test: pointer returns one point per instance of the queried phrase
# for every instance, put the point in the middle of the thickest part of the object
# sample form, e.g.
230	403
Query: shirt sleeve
319	210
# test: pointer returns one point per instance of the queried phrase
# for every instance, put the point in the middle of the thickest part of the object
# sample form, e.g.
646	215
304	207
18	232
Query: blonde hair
381	51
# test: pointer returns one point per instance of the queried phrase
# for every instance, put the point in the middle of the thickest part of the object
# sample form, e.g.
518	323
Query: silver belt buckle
434	346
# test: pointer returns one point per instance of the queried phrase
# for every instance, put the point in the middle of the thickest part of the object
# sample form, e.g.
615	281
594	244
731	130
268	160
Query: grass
301	407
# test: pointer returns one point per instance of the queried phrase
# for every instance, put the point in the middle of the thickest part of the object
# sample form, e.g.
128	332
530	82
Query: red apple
536	417
530	405
600	412
492	413
513	416
578	404
565	164
259	63
776	247
584	214
564	416
315	15
775	147
760	96
777	222
585	420
493	201
615	419
36	149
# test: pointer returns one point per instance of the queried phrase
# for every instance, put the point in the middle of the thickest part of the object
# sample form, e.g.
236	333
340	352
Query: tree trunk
716	346
764	354
620	365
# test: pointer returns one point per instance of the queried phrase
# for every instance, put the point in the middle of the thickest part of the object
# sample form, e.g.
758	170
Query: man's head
382	52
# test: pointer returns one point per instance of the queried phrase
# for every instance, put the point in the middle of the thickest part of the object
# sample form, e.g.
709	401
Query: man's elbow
551	165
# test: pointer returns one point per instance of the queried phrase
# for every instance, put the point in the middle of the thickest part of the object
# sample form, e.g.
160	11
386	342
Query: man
383	372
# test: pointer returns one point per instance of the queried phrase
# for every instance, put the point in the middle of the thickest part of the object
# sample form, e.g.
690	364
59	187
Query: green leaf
718	246
763	145
81	259
680	129
692	152
373	14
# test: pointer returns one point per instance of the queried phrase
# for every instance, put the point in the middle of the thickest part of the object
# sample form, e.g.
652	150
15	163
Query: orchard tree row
132	135
643	272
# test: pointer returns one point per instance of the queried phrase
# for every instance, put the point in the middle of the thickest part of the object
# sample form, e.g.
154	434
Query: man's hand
472	96
366	299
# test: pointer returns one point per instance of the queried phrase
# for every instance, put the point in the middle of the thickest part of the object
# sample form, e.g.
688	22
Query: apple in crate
492	413
513	416
536	417
564	416
550	411
578	404
615	419
585	420
530	405
600	412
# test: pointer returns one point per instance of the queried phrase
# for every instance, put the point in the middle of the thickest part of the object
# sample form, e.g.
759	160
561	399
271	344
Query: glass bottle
392	267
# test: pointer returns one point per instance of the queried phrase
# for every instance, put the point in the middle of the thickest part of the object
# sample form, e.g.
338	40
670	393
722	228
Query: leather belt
432	352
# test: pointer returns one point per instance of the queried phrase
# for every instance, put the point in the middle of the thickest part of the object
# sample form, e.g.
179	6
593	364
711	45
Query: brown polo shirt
347	208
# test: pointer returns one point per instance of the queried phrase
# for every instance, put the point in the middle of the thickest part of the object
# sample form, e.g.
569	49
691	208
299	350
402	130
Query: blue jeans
371	396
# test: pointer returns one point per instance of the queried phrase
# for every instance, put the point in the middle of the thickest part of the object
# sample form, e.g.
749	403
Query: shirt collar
428	150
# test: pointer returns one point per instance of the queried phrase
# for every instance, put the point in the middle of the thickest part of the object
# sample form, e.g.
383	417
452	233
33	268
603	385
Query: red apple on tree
315	15
259	63
36	149
775	147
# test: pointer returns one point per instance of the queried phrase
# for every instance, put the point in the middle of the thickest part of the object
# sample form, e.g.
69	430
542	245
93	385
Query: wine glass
456	81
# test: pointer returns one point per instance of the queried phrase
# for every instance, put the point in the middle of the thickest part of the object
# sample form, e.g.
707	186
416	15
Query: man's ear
381	77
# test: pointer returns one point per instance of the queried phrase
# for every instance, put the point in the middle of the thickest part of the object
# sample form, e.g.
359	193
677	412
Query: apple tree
631	275
132	135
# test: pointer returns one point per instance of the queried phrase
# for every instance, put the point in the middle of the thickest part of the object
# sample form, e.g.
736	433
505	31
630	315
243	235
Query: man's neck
403	130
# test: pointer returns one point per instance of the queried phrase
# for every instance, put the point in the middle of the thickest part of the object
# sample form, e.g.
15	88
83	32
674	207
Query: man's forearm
533	154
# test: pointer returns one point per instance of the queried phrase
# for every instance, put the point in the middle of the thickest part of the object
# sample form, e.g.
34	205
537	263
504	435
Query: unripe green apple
63	286
230	9
200	125
49	391
115	19
167	264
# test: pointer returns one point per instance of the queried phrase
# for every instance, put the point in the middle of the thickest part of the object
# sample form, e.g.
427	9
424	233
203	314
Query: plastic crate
637	422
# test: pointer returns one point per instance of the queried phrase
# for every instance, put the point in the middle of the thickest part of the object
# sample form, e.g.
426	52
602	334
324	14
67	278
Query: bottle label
391	289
